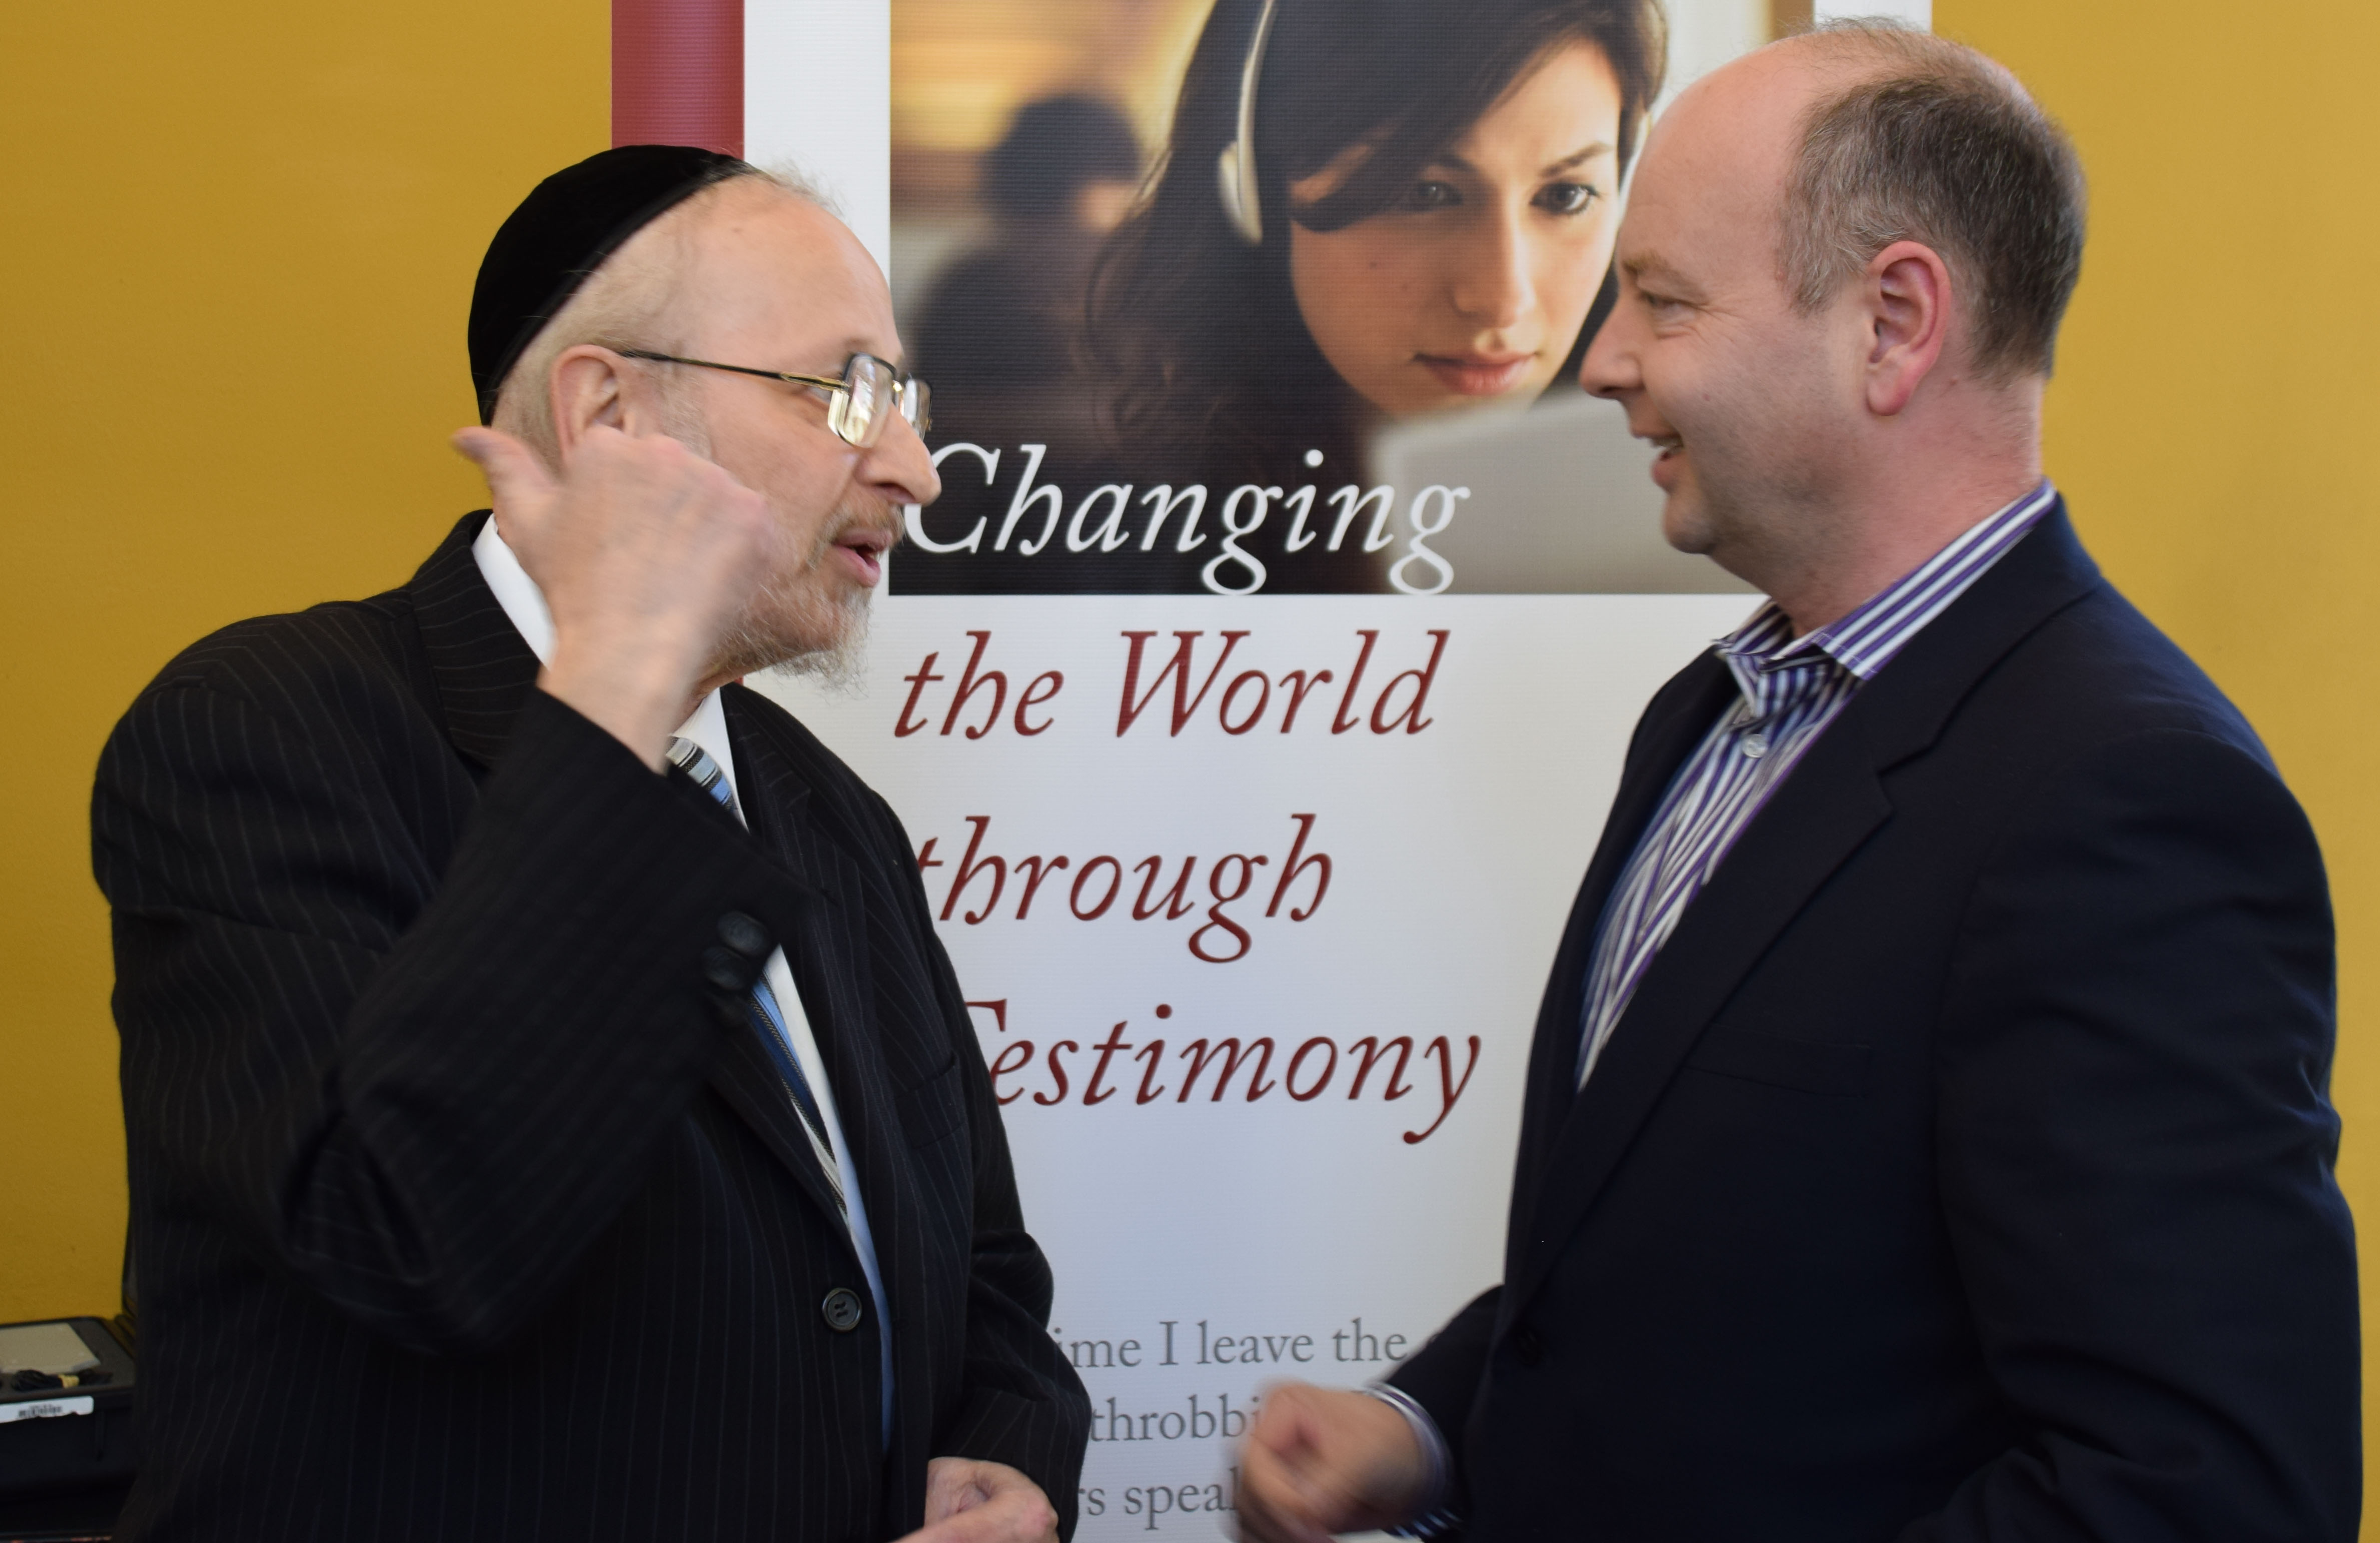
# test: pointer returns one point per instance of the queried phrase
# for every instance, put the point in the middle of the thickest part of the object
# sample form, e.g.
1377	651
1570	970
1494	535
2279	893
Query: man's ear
589	385
1907	291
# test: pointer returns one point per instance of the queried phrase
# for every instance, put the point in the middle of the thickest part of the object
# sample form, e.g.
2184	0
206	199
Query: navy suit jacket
1962	1166
467	1202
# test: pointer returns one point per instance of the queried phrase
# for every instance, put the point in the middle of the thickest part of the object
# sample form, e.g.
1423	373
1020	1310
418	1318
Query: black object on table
67	1448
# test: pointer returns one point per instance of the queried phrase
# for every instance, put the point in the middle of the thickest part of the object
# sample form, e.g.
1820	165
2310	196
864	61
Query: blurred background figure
999	333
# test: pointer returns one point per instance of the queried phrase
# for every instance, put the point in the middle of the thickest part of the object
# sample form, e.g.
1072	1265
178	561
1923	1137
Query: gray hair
632	301
1942	146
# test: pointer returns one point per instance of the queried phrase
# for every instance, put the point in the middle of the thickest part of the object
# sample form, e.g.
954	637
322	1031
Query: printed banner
1254	694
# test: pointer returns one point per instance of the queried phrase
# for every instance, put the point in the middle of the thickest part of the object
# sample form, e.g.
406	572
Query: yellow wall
2213	417
237	244
240	239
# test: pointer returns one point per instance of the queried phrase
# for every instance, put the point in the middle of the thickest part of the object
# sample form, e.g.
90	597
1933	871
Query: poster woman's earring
1236	172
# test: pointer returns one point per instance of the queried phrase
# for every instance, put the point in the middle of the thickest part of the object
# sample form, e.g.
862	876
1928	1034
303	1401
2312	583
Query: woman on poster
1368	211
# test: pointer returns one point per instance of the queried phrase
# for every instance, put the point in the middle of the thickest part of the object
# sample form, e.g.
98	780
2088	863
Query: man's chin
826	641
1687	526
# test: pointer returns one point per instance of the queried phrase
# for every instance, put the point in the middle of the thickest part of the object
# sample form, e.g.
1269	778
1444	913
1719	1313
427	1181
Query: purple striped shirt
1792	689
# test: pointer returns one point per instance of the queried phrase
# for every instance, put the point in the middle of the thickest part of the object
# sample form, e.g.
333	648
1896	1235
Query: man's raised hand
645	552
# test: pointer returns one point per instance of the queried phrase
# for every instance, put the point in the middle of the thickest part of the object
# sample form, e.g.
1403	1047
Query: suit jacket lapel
748	1081
828	954
1817	819
1674	723
1830	804
480	666
829	958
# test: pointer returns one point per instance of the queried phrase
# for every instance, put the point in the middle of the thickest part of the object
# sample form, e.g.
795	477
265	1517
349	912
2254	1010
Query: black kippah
562	233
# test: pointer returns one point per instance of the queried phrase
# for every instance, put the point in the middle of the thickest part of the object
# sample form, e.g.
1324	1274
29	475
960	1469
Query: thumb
516	476
1017	1516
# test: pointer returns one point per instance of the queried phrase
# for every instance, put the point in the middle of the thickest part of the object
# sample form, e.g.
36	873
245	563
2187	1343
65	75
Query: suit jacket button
841	1309
743	935
1529	1346
725	971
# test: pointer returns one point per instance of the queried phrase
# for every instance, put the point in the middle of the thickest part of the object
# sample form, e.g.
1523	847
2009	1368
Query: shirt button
1755	745
841	1309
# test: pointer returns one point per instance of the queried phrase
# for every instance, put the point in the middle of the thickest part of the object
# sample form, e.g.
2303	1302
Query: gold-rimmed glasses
856	403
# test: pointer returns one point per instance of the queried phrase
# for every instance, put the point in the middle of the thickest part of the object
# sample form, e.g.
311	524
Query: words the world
978	703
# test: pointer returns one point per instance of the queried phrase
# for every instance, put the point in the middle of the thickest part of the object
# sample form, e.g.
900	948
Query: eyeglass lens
856	408
858	413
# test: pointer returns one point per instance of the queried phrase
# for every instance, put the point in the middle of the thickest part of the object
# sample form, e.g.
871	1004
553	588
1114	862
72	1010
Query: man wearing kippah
550	1111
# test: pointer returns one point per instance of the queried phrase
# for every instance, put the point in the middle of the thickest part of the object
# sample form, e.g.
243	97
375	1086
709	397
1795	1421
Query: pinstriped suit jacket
464	1208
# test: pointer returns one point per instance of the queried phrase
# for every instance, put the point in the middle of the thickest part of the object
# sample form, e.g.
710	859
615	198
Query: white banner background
1453	855
1255	1234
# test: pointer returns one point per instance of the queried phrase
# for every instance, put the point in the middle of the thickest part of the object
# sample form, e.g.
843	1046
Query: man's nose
1493	286
899	466
1610	369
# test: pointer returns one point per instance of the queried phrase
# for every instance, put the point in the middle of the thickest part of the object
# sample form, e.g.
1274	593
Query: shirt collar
525	607
1866	639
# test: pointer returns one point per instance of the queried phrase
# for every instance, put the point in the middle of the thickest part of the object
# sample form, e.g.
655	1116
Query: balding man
1926	1136
550	1113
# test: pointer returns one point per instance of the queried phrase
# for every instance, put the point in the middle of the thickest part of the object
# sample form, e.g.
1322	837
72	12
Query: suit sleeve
1023	1405
422	1093
1443	1378
2135	1149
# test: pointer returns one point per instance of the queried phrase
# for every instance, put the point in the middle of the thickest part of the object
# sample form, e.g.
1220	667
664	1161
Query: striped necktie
768	1017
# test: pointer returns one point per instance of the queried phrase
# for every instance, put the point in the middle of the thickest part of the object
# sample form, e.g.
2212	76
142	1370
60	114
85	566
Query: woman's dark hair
1195	333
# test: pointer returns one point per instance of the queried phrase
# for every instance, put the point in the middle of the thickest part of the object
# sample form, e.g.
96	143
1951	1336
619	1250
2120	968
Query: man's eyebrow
1641	266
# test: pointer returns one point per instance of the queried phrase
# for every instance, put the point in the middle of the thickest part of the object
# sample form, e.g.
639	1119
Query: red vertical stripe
677	73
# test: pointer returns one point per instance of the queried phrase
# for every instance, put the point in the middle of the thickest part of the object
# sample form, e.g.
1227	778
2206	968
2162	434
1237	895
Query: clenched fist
969	1502
1319	1462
